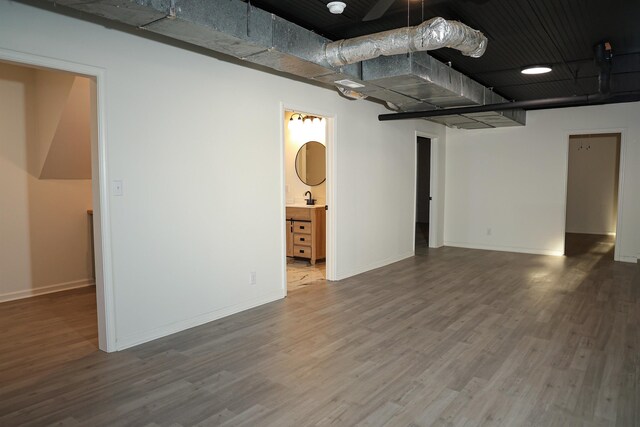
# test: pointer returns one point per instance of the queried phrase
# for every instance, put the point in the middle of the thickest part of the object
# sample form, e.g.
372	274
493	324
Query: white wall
69	154
513	180
53	92
295	188
192	223
45	242
592	185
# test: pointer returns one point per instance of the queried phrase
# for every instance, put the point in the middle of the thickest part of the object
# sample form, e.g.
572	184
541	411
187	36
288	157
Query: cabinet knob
302	239
301	251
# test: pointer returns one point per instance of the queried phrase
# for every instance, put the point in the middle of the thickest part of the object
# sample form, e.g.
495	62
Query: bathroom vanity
306	232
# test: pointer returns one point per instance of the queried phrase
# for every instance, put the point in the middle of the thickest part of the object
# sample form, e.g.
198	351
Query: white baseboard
533	251
153	334
625	258
373	265
27	293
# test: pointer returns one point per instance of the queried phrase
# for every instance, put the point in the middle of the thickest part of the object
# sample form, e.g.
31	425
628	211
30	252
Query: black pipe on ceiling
535	104
603	56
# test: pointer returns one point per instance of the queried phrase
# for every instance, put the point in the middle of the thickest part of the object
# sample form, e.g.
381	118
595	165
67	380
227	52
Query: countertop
306	206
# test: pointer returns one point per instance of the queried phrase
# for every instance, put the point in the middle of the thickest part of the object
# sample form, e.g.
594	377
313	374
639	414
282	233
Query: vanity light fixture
297	120
536	69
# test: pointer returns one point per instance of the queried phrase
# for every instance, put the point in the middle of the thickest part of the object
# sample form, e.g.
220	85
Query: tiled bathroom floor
301	273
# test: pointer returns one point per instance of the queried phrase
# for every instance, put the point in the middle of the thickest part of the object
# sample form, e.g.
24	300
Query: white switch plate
116	188
252	278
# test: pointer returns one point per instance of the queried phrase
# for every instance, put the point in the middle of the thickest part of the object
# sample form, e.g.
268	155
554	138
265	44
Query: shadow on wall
45	179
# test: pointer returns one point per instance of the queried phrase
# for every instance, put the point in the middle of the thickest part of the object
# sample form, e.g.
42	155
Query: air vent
349	83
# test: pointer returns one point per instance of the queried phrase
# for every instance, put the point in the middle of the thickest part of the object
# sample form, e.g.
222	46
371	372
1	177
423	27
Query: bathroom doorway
305	172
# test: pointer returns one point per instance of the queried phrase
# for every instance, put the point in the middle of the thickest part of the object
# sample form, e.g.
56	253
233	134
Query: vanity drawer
302	240
302	227
302	251
298	213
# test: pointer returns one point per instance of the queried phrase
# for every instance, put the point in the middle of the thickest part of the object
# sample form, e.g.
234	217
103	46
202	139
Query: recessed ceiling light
536	69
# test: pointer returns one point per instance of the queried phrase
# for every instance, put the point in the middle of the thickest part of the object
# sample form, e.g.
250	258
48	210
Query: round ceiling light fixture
536	69
336	7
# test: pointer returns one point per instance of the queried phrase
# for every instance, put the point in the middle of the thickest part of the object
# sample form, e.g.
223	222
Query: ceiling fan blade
378	10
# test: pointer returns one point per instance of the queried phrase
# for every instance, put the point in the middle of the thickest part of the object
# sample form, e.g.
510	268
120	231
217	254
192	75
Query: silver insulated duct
433	34
414	82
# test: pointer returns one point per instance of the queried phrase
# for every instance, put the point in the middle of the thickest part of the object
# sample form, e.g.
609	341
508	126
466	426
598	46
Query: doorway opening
305	172
592	195
423	193
98	225
47	289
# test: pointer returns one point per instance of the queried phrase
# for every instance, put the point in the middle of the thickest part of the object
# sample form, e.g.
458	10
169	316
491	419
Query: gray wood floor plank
451	337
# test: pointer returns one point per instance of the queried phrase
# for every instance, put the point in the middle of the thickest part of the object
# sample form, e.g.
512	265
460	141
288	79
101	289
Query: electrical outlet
252	278
489	231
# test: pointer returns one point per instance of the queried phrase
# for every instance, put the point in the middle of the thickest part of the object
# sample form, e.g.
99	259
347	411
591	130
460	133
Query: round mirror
310	163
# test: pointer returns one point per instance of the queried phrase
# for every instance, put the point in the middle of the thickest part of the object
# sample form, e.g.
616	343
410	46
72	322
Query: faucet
310	201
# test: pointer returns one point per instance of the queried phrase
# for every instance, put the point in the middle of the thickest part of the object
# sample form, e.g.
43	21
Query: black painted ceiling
521	32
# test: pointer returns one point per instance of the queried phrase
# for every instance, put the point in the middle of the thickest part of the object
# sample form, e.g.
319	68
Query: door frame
331	185
105	299
619	219
435	222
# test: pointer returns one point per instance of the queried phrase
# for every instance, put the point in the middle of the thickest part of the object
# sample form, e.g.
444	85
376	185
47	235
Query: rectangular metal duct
228	28
231	27
135	13
422	77
485	120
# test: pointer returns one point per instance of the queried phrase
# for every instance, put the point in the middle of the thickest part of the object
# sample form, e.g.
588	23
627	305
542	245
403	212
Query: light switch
116	188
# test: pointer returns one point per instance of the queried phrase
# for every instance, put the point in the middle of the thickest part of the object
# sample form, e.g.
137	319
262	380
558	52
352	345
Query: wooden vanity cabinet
306	230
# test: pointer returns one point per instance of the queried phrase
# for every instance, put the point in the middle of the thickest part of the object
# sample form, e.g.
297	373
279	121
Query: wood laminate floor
422	233
451	337
39	335
577	244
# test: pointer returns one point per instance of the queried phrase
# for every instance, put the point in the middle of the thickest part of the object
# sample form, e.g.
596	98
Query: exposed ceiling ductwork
404	82
433	34
533	104
603	58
